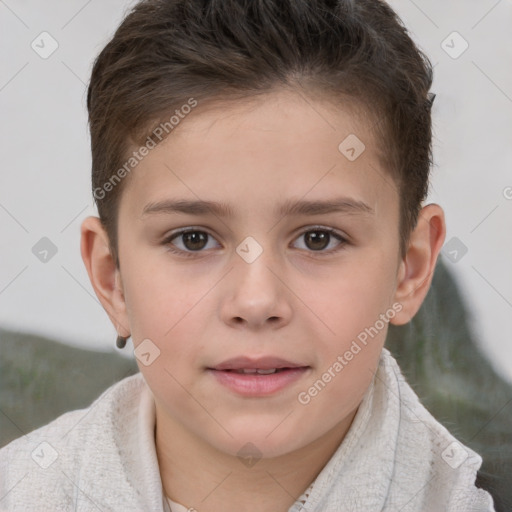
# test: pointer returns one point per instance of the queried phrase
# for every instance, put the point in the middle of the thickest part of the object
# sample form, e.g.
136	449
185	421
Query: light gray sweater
395	457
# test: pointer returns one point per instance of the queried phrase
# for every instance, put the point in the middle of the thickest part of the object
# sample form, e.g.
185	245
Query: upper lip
262	363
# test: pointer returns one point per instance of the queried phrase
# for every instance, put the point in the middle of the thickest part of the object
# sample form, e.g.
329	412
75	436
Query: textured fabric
176	507
296	507
395	457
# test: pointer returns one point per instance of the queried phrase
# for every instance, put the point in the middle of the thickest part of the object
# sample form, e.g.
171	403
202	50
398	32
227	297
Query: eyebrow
192	207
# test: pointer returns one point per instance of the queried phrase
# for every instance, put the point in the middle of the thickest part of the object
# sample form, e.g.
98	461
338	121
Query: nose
255	294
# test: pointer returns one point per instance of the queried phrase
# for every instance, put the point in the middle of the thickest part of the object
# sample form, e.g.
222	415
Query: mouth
257	377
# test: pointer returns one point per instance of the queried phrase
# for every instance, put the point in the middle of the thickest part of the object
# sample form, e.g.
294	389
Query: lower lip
254	385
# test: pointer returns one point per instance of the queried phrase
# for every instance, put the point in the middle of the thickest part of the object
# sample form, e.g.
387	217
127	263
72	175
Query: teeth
257	370
266	372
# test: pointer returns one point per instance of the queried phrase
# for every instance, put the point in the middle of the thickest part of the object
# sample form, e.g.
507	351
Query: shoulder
427	452
45	461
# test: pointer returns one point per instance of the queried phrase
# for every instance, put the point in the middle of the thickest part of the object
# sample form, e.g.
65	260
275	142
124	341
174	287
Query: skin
299	301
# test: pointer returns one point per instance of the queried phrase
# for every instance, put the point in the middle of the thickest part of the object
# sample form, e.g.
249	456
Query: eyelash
190	254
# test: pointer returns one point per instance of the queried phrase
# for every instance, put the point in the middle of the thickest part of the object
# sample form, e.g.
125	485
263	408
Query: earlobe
417	268
103	274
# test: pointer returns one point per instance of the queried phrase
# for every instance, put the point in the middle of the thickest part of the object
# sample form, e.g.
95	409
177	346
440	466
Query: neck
196	474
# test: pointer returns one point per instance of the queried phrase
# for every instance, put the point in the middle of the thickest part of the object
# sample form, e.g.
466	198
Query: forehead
253	152
287	116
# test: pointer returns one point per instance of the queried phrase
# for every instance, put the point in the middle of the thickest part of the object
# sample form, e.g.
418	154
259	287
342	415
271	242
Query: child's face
304	299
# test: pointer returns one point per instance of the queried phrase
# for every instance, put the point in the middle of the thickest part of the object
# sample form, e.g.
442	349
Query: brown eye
194	240
319	239
188	242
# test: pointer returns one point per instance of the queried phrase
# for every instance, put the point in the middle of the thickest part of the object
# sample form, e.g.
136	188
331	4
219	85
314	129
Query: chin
259	442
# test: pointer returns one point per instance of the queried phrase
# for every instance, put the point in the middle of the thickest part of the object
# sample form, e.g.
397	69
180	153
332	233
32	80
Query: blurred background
457	353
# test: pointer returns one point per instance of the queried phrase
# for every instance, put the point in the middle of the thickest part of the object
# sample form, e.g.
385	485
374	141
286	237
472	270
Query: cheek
353	297
349	353
169	316
166	307
158	295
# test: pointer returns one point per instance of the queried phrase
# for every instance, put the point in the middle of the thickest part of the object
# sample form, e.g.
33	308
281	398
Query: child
294	137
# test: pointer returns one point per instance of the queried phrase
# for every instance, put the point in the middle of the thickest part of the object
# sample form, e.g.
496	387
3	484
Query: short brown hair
168	51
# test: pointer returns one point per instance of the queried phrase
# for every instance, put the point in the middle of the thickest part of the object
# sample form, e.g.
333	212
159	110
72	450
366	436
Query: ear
103	274
417	267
